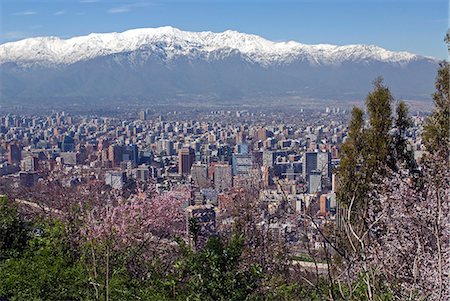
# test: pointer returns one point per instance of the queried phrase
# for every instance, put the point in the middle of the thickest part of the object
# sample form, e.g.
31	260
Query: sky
417	26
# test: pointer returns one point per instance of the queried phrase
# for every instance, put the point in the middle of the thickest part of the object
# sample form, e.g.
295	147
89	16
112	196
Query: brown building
186	158
103	144
115	155
323	205
14	154
262	134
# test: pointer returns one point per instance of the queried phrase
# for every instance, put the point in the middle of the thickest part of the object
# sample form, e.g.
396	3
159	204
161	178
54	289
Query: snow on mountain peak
175	43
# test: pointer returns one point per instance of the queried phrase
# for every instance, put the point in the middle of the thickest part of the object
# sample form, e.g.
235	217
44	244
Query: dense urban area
229	204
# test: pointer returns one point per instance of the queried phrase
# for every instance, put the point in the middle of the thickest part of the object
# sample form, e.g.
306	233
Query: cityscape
140	161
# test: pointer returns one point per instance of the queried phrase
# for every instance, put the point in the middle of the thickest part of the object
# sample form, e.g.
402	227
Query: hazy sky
416	26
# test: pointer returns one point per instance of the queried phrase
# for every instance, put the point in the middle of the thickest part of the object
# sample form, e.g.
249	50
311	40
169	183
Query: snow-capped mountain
166	61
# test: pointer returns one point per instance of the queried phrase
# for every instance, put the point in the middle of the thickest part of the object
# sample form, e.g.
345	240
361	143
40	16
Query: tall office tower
324	165
242	148
165	147
240	137
186	158
309	164
131	153
262	134
67	145
317	161
14	154
268	158
314	181
199	173
224	153
103	144
143	115
223	178
115	154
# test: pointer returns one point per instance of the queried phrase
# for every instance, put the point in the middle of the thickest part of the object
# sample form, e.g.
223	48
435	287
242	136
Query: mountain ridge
178	43
167	63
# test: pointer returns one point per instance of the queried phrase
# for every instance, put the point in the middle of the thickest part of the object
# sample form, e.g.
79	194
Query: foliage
13	231
47	269
214	273
436	131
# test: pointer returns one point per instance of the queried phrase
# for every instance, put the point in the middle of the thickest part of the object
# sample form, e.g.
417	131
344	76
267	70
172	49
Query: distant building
28	178
204	218
199	174
327	204
116	179
70	158
314	181
102	145
14	154
186	158
223	178
130	153
68	144
142	173
115	154
317	161
143	115
29	163
242	163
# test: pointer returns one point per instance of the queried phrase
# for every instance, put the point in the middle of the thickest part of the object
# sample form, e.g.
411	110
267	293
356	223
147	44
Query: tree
48	269
127	237
403	154
13	230
409	254
379	111
215	272
436	130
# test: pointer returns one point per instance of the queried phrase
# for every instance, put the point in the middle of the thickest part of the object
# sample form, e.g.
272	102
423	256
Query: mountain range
167	63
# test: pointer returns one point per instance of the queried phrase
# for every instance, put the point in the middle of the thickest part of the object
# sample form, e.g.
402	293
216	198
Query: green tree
403	122
47	270
13	230
436	130
214	273
379	110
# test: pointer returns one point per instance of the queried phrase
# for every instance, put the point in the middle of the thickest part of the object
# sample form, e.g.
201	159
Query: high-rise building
29	163
68	144
262	134
314	181
318	161
309	163
143	115
186	158
199	174
324	165
131	153
268	158
242	164
14	154
115	155
102	145
223	178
